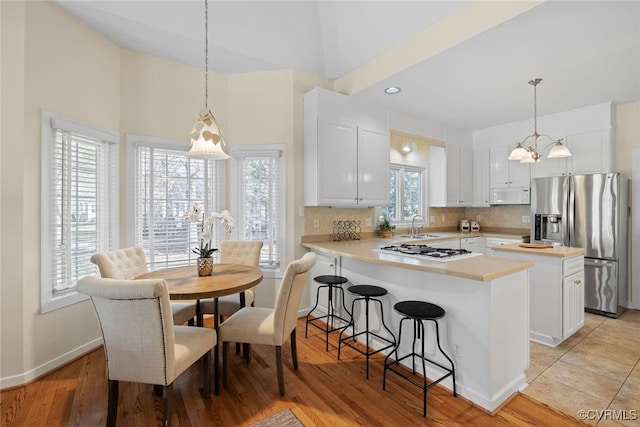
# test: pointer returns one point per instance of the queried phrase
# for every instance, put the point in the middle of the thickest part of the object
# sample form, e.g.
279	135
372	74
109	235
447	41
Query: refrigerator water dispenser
548	228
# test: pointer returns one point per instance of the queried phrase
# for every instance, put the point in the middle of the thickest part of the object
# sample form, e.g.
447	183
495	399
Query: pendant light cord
206	54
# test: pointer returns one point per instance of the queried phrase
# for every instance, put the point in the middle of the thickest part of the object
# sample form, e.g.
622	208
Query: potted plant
385	229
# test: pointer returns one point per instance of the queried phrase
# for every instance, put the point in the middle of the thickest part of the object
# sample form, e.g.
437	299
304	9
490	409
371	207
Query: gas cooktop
428	252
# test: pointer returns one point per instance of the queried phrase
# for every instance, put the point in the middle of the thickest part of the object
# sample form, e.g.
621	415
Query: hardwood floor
322	392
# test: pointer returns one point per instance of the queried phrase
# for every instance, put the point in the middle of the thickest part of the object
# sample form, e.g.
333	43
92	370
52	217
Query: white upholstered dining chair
129	263
141	343
258	325
245	252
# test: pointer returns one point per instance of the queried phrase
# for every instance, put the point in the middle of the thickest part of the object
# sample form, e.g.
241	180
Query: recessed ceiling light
392	90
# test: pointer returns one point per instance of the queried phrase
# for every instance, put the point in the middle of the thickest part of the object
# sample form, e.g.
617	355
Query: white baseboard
47	367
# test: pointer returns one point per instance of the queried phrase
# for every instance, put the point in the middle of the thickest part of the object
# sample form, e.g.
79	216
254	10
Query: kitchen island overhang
486	328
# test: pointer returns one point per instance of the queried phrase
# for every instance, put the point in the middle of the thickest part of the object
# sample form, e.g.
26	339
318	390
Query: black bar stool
367	293
332	283
419	311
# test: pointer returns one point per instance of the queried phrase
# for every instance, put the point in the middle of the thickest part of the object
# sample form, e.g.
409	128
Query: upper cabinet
459	176
592	152
481	187
346	151
507	173
437	176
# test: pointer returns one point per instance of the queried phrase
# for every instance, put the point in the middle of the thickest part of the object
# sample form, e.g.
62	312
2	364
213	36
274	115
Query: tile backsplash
320	220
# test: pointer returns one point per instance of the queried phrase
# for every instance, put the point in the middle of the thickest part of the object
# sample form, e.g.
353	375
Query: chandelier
207	141
527	150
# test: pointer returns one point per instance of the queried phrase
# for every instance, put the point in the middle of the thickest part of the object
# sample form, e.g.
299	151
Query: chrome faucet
415	231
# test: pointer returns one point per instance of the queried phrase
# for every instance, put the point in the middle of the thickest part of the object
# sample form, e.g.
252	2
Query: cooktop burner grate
425	250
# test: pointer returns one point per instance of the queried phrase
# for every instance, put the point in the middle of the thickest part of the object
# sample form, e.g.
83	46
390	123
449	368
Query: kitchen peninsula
486	299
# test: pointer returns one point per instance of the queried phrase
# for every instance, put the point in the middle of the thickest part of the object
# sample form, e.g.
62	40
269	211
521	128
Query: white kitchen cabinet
481	177
448	244
459	176
556	296
573	303
346	151
437	176
505	173
473	244
490	242
325	265
592	152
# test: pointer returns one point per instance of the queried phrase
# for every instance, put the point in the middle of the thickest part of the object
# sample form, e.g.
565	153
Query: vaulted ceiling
466	63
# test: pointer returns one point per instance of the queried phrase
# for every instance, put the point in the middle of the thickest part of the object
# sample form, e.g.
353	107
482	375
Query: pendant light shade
527	150
559	150
207	141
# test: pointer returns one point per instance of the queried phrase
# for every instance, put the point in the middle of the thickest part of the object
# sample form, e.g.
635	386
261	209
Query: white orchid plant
196	214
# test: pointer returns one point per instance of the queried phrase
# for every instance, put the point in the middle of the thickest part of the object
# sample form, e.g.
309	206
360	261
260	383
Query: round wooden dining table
183	283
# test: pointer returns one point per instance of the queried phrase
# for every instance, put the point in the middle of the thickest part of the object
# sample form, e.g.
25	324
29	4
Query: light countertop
480	268
556	251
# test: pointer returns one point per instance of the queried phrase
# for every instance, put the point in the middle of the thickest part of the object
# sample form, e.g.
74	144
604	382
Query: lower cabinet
497	241
325	265
556	296
573	303
473	244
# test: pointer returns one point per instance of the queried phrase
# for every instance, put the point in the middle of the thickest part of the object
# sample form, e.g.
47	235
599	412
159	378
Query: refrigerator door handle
569	214
598	263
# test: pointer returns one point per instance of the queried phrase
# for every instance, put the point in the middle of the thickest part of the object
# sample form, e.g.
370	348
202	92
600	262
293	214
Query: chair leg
167	397
112	405
294	349
225	364
280	369
191	322
237	348
246	349
206	360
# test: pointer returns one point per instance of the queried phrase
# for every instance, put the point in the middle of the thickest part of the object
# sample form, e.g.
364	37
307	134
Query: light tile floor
596	370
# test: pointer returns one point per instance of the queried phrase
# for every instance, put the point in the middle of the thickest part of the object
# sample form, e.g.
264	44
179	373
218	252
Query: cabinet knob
578	281
331	265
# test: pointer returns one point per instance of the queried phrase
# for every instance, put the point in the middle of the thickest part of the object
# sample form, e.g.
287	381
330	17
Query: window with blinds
79	205
166	185
257	197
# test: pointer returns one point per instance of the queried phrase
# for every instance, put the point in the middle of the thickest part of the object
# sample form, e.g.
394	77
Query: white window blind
79	205
257	197
166	185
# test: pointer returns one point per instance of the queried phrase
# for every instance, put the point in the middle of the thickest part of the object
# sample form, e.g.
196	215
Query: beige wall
627	135
72	71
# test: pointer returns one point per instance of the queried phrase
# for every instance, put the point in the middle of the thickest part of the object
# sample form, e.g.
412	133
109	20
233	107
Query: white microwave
511	196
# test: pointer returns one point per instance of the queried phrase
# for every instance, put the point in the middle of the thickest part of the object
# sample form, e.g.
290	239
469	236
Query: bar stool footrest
423	385
366	352
310	322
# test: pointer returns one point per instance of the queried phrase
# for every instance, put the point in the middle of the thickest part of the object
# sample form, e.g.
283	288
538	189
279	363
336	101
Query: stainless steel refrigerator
590	212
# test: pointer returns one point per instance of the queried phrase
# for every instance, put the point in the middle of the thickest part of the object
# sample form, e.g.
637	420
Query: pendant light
207	141
527	150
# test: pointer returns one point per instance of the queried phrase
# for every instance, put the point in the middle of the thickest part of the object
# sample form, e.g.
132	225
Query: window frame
424	208
237	151
216	203
49	124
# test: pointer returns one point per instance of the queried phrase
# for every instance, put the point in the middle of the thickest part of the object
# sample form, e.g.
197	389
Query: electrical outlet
301	211
443	218
368	222
526	219
432	219
316	223
477	217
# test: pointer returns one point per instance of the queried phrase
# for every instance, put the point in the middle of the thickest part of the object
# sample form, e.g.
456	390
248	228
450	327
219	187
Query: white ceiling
586	52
